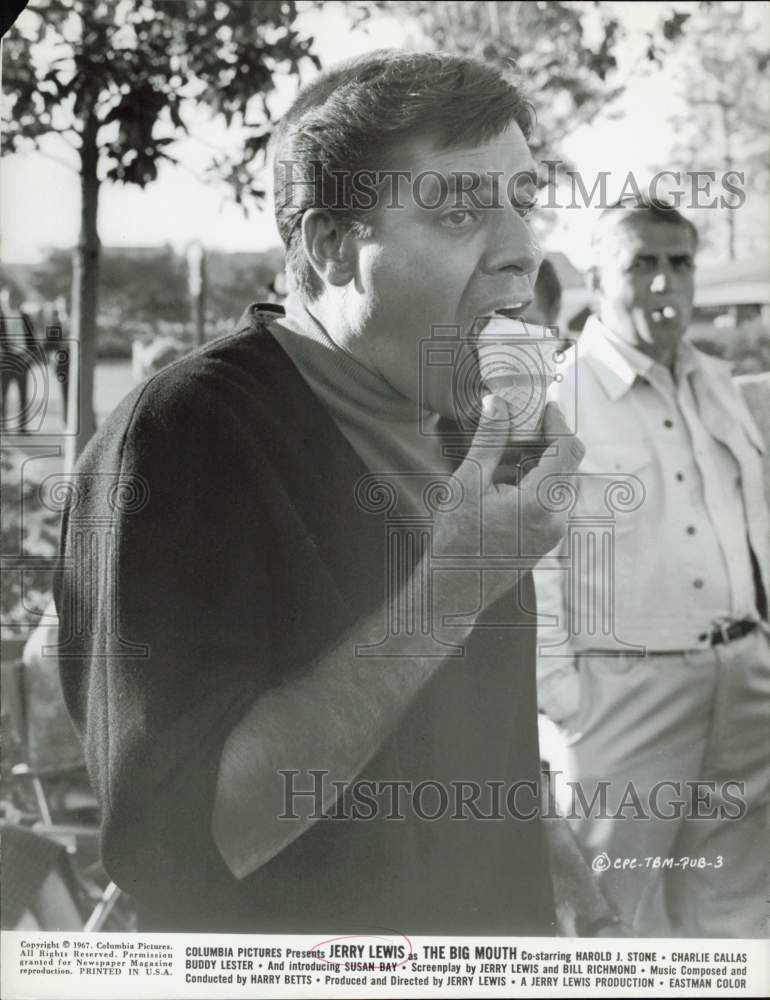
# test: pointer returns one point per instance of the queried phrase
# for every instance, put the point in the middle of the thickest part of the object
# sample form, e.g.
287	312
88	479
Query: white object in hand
516	363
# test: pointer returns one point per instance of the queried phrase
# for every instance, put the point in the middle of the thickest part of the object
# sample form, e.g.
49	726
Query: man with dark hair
658	671
350	121
279	696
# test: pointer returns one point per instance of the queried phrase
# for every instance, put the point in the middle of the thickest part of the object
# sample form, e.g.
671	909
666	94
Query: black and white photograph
385	498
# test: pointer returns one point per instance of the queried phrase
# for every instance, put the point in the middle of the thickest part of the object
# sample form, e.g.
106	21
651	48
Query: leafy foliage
565	52
144	290
721	74
145	284
139	69
120	81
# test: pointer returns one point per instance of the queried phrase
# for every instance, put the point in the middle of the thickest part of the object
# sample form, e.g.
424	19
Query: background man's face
646	279
446	266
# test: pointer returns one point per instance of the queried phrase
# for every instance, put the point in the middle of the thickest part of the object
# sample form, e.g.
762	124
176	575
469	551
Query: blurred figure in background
150	358
17	355
547	302
56	347
277	289
658	670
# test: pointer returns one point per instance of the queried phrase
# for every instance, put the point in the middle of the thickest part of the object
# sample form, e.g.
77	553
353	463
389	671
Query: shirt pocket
614	480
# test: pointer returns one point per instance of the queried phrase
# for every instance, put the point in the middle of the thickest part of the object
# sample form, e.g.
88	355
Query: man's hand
341	708
500	519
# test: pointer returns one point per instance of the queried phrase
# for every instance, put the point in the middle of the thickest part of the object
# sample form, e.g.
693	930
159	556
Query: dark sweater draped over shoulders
212	548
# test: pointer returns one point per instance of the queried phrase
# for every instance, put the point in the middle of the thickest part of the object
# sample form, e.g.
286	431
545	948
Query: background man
659	670
235	634
18	356
547	301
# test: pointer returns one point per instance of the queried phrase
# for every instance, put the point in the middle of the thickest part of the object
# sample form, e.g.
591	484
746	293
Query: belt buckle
722	629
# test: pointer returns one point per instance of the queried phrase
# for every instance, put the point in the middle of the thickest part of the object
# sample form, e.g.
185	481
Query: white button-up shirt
668	500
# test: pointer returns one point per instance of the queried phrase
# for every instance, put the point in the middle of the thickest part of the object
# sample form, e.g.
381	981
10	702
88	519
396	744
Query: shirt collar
620	363
616	364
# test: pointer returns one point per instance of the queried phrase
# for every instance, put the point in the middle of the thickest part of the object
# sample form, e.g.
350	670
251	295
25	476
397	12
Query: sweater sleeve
168	544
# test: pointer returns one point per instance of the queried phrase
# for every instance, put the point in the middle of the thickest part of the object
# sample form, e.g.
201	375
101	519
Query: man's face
425	266
646	283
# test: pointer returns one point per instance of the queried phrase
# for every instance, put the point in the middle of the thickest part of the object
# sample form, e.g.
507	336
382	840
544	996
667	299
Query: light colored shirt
669	499
391	433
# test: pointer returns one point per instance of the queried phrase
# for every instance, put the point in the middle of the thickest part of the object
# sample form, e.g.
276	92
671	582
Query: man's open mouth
514	311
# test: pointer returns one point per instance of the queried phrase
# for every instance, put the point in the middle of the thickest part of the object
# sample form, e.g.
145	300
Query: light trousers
671	753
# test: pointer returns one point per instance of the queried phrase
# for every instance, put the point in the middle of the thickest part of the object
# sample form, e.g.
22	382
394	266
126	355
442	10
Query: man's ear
329	246
593	279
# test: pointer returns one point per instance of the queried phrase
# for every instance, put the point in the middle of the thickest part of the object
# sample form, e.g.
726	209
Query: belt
736	630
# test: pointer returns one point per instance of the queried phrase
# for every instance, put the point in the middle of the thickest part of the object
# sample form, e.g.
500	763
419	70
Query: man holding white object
654	660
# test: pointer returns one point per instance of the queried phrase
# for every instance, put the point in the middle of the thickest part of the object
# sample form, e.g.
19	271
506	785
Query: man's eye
682	263
460	218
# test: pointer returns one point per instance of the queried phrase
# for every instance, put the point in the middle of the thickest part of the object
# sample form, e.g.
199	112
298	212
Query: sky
39	194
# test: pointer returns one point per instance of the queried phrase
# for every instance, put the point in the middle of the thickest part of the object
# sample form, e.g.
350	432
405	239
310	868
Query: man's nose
660	282
512	247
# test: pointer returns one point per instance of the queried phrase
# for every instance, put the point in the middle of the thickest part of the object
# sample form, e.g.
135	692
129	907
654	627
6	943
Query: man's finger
554	423
490	439
569	450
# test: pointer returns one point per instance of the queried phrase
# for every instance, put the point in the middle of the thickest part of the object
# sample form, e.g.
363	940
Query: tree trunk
724	109
731	233
199	304
81	421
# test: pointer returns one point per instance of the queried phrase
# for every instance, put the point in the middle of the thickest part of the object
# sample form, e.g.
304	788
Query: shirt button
703	637
690	530
679	477
668	423
697	583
